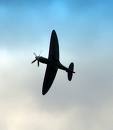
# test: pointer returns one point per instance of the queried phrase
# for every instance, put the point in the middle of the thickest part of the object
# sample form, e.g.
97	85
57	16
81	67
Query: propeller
36	59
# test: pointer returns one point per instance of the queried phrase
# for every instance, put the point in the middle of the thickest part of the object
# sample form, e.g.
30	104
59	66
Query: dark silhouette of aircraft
53	64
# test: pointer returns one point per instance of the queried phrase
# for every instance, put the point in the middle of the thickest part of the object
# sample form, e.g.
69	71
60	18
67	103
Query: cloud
68	105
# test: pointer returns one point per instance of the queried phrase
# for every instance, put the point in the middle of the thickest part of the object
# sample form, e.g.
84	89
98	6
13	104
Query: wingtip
53	31
43	93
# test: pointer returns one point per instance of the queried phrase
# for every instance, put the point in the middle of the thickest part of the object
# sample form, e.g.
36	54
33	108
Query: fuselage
52	62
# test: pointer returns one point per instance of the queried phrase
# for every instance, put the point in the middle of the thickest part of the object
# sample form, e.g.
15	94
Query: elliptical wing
51	69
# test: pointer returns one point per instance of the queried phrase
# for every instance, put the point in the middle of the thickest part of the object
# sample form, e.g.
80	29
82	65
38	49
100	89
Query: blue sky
87	23
85	33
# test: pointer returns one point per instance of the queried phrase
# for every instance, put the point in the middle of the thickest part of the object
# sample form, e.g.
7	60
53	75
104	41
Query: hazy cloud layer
85	103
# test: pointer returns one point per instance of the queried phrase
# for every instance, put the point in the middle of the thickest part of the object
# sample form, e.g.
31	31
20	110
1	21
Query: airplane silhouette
53	64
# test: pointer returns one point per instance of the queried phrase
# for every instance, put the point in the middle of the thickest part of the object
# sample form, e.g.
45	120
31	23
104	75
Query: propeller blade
35	54
33	61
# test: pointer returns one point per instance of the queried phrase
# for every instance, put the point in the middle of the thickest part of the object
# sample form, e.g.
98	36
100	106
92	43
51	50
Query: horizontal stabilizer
70	71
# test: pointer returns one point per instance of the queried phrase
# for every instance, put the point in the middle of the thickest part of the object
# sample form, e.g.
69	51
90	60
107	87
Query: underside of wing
49	78
54	47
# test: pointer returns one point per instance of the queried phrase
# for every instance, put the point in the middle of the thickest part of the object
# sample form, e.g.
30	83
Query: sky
85	34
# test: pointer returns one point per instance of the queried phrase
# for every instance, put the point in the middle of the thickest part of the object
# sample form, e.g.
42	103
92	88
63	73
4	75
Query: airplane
53	64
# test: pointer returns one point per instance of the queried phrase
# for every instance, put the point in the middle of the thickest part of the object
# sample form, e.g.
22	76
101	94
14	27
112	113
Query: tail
70	71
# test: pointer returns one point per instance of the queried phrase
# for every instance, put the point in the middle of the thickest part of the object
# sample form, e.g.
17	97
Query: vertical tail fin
70	71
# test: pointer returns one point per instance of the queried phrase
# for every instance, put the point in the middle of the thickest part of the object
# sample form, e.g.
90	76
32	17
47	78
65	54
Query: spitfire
53	64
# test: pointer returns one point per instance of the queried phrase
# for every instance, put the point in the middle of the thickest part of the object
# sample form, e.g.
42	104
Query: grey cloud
67	105
91	87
